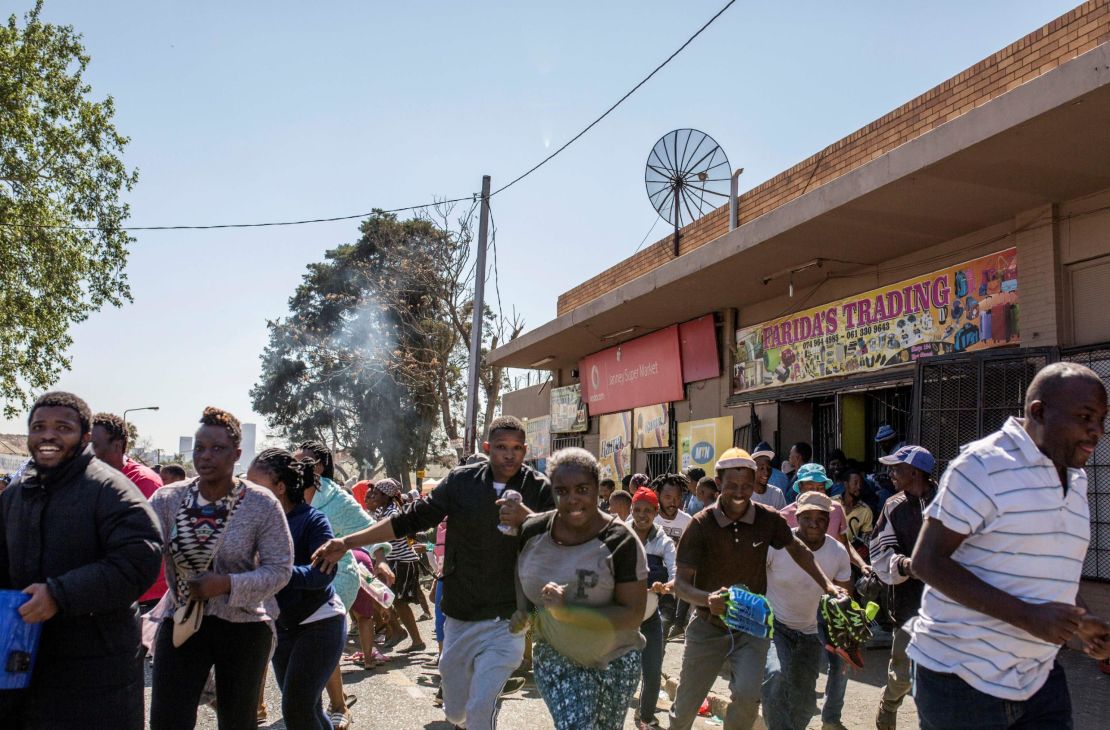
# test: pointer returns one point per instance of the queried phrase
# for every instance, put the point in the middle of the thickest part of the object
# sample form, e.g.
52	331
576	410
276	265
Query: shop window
1097	565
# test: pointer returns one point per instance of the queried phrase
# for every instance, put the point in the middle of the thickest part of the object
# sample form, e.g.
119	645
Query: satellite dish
687	175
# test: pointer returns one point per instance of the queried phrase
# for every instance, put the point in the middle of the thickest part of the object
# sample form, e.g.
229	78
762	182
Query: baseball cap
735	458
814	501
763	449
885	432
916	456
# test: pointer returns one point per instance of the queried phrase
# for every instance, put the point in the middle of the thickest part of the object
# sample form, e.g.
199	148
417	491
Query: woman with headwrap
384	499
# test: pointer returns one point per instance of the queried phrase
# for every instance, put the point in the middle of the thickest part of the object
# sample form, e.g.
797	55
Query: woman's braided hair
323	456
296	476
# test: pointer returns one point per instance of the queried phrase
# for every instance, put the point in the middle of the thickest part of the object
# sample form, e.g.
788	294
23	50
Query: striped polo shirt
1026	537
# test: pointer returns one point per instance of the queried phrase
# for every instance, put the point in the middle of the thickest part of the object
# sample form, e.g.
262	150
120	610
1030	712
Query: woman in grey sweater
228	545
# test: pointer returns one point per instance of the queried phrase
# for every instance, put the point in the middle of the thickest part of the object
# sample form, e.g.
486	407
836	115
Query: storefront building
916	274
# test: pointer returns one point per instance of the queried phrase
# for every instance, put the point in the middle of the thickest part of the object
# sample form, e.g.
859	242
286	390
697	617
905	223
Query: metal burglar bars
660	461
566	442
962	398
1097	565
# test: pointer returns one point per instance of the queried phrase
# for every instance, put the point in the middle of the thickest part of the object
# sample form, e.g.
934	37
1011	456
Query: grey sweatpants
477	659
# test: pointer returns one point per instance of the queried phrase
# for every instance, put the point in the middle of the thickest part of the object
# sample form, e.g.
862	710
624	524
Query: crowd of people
572	579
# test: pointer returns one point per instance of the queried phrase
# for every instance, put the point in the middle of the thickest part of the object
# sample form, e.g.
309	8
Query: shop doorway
826	429
890	406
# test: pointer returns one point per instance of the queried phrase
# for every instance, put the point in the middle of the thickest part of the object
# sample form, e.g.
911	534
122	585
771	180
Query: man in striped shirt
1001	554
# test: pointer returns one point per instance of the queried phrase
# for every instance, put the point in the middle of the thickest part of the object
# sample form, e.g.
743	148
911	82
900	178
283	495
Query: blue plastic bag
19	642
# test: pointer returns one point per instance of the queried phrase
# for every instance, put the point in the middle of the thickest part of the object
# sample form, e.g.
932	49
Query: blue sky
253	111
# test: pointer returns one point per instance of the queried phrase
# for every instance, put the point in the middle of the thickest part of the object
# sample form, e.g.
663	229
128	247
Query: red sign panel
698	341
641	372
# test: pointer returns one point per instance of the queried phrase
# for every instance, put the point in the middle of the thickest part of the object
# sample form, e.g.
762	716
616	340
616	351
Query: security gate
1097	565
962	398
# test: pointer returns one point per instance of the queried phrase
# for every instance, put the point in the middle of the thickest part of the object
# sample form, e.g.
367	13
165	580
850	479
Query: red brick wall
1042	50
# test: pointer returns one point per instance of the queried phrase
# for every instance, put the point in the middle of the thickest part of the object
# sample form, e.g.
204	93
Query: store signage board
537	434
698	343
615	445
568	410
652	427
640	372
964	308
701	443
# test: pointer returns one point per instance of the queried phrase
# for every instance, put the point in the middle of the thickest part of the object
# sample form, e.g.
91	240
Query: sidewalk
1090	691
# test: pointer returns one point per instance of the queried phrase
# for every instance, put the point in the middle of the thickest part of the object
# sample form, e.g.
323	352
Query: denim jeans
707	648
305	658
790	679
652	667
946	702
836	684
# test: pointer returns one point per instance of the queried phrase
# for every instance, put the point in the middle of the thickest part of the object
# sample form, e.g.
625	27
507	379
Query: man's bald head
1065	409
1055	380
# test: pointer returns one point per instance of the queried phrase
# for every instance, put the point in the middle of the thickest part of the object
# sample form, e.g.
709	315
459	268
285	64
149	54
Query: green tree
62	247
357	362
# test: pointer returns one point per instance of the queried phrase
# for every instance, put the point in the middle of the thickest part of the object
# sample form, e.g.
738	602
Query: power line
645	238
333	219
237	225
620	101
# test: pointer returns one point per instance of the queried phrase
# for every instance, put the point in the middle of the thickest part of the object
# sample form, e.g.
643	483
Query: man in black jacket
479	568
891	545
80	539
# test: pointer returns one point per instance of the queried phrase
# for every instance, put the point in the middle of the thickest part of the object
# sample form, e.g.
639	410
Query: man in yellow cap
725	546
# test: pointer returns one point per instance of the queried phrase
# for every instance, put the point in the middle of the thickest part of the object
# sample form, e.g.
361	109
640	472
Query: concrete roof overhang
1043	142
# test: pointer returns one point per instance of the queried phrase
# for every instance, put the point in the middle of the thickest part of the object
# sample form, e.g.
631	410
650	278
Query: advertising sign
701	443
652	427
639	372
963	308
615	445
537	434
568	411
698	343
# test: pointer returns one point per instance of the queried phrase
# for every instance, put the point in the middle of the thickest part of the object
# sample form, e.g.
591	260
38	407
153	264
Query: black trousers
238	651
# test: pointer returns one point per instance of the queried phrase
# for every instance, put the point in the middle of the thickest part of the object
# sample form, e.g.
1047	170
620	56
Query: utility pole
471	432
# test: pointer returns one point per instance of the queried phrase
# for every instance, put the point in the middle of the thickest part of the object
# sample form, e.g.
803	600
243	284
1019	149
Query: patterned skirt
407	585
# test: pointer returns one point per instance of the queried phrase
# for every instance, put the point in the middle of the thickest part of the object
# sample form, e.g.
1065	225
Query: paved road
400	697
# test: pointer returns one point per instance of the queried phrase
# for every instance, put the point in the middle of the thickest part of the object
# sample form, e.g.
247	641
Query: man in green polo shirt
725	546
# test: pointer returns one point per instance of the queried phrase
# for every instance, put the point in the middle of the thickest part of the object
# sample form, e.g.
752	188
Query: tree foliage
373	356
60	169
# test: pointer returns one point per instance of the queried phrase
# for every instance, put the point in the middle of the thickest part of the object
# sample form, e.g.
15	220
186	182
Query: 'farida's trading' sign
971	306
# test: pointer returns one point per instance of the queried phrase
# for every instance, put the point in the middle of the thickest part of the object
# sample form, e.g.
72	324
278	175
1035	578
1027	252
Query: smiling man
1001	554
724	546
80	539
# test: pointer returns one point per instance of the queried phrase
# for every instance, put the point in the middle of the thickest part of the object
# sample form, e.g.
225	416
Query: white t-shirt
499	487
793	594
674	528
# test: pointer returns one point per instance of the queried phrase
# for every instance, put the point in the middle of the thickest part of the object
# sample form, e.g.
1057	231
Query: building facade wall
1067	37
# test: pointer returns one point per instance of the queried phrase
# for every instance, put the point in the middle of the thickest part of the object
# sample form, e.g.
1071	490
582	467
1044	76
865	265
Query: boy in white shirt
794	660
